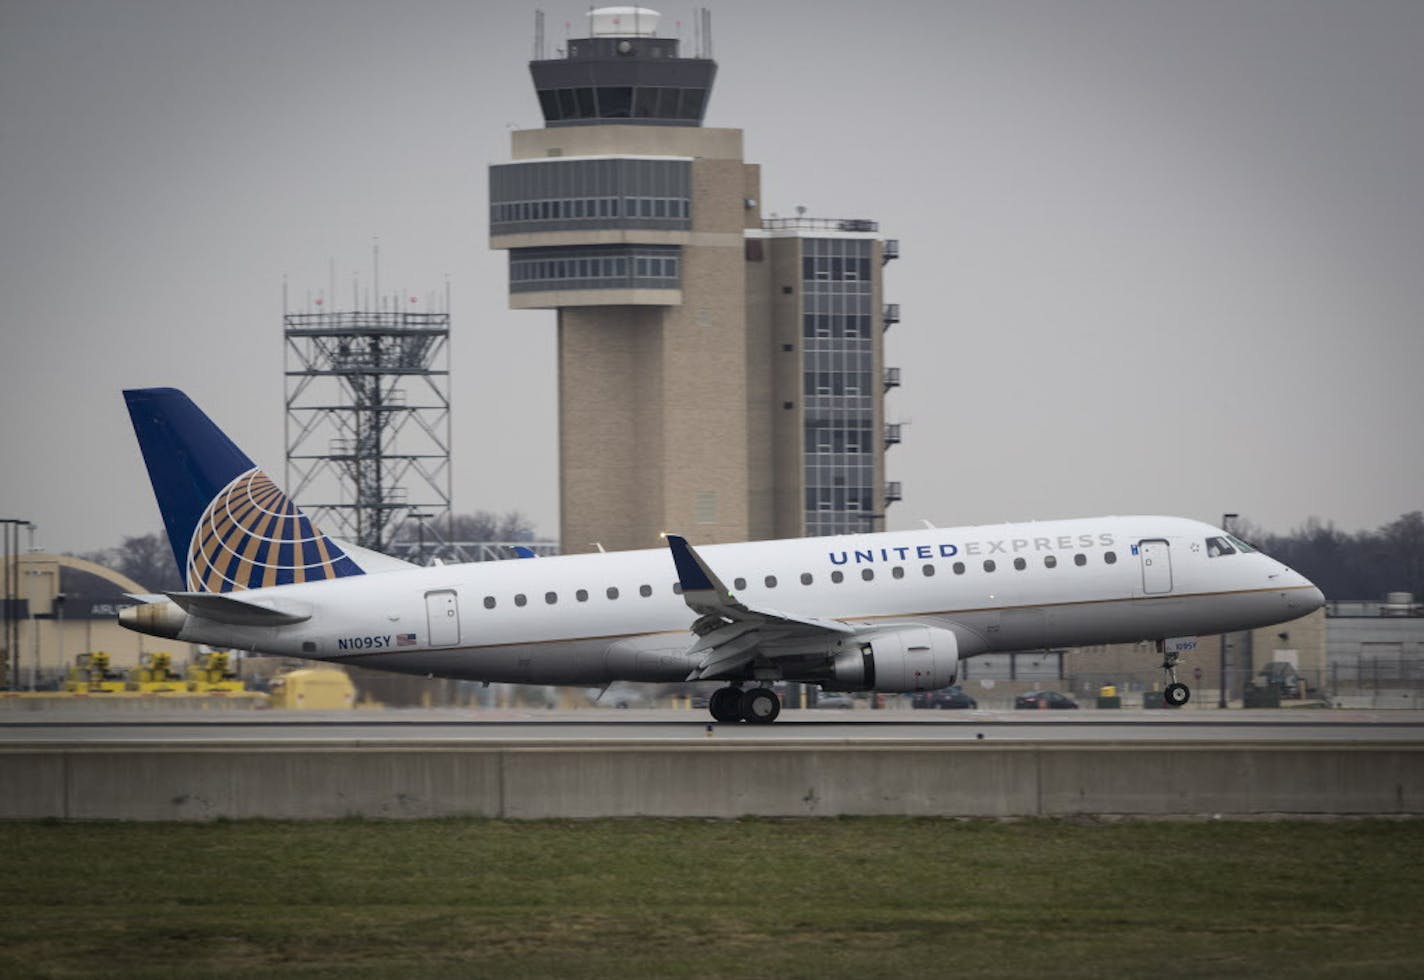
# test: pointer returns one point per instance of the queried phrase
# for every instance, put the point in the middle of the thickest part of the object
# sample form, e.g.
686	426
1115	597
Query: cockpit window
1216	547
1241	546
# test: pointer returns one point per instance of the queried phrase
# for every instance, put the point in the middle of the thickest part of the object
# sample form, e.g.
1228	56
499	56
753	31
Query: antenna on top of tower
707	31
538	35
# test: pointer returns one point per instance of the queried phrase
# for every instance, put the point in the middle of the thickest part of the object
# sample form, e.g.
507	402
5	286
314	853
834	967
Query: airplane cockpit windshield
1227	545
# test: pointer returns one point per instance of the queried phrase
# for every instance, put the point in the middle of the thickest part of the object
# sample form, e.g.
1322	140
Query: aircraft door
442	613
1156	557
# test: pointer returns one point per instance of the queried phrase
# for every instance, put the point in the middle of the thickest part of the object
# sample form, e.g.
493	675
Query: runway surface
387	726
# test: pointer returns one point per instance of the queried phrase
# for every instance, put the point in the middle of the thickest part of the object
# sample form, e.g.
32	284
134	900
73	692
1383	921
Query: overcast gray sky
1158	256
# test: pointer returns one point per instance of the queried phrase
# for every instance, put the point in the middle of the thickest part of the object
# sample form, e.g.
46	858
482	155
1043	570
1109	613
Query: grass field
689	898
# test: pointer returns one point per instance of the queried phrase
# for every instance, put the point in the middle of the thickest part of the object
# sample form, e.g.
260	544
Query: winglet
696	578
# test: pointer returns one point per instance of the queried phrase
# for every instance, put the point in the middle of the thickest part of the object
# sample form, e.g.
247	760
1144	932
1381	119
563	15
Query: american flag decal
405	639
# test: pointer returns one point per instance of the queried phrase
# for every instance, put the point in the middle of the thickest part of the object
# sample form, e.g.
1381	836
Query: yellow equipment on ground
91	675
313	688
155	675
214	675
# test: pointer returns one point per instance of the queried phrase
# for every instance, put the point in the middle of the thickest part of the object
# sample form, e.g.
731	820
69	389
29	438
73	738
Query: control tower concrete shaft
688	329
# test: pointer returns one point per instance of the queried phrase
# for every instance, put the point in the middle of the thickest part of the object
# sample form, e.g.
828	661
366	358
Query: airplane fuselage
594	618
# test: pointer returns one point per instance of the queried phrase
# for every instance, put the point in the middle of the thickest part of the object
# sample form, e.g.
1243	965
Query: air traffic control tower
719	376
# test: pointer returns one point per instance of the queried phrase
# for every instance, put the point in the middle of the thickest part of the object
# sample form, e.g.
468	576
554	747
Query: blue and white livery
894	611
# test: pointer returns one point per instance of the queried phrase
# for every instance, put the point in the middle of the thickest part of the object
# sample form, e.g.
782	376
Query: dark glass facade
838	385
623	80
623	102
590	194
595	267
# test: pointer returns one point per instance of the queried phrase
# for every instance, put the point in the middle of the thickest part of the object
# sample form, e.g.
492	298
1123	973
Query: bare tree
482	525
1365	565
145	558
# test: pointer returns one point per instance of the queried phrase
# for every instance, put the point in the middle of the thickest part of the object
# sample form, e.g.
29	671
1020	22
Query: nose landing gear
1176	693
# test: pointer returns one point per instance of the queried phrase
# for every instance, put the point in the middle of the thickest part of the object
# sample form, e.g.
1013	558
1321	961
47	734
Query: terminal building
720	374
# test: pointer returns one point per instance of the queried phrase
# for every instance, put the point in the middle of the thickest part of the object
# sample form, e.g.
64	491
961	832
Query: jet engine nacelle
913	658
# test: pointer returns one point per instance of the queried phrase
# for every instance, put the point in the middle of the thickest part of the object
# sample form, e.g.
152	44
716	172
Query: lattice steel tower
368	422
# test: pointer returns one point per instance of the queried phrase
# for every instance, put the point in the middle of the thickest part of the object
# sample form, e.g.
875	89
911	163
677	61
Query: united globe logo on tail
252	536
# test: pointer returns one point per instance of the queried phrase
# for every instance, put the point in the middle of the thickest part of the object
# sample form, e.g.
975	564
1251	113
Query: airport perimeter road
844	727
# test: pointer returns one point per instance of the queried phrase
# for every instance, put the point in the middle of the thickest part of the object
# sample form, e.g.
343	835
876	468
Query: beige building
48	628
720	375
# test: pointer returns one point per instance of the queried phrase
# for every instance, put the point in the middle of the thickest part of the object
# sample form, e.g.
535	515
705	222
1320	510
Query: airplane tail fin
229	525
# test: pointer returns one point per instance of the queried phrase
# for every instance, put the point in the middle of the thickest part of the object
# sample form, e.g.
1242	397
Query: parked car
944	698
1044	699
834	699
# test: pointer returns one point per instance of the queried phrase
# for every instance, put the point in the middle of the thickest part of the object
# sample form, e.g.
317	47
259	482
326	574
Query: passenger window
581	595
677	588
551	597
771	581
519	600
645	590
867	573
959	568
1110	557
612	592
739	584
806	578
897	572
989	565
1080	560
1216	547
489	602
929	571
838	576
1020	564
1049	561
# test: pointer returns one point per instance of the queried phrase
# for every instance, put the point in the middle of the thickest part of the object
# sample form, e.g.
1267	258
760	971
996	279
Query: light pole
59	616
10	533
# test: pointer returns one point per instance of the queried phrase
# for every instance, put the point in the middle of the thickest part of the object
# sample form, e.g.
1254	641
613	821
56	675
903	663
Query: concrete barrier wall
530	781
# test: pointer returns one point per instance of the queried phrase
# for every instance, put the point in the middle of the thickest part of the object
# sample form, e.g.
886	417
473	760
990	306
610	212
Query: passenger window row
837	576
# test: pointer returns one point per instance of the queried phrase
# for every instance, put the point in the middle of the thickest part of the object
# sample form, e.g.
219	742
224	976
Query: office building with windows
720	375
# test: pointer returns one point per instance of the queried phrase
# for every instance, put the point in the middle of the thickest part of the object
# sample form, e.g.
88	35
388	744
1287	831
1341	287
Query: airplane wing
731	633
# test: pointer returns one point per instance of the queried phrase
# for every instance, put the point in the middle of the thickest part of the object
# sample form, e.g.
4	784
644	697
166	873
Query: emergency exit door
442	610
1156	558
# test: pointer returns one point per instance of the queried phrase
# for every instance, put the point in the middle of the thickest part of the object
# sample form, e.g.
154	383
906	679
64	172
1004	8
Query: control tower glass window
595	267
623	79
590	194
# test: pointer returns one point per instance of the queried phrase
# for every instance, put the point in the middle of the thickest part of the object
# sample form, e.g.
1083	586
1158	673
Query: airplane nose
1307	599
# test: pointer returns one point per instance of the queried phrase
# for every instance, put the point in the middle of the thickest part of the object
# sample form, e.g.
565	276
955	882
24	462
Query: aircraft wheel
1176	695
726	704
760	705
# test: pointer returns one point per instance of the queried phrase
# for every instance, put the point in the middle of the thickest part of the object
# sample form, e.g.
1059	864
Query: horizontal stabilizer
221	607
146	597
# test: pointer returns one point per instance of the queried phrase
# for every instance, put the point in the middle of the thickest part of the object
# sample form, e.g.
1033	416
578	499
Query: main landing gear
759	705
1176	694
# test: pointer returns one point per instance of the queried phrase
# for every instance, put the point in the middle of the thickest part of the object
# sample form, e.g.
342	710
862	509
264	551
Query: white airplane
893	611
